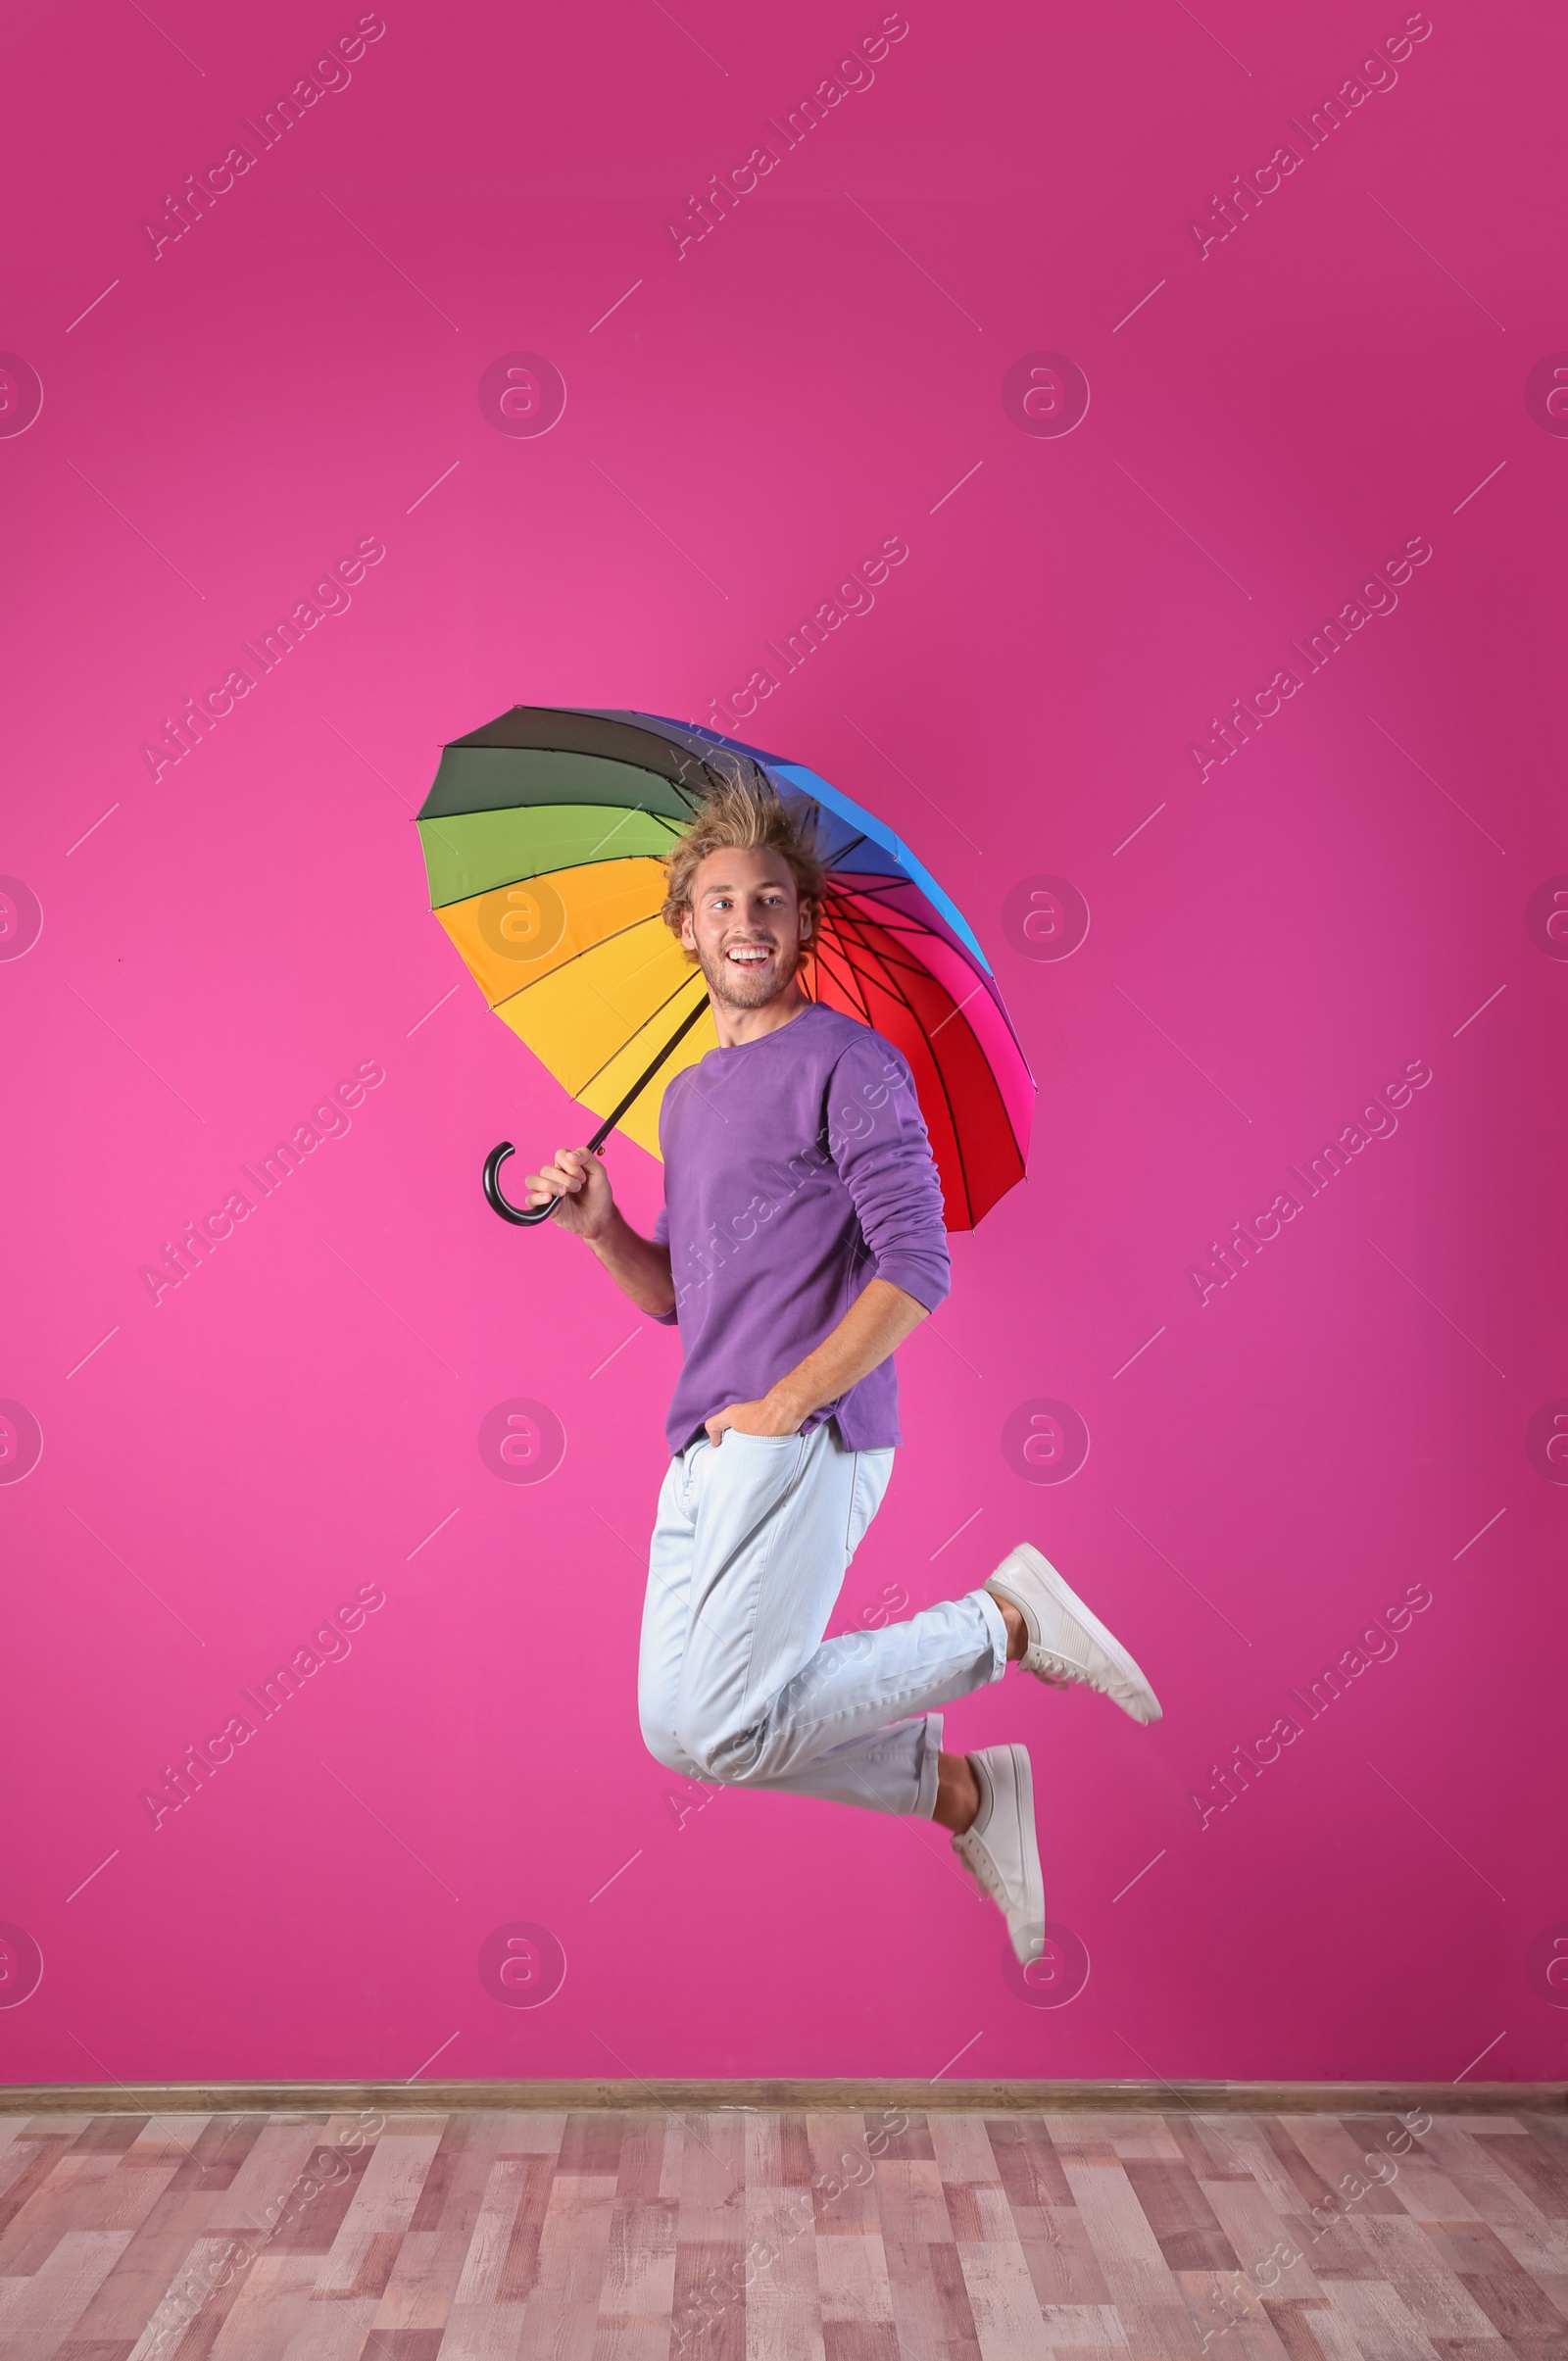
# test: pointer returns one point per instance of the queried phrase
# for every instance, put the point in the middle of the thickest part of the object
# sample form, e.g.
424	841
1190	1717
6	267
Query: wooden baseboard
818	2095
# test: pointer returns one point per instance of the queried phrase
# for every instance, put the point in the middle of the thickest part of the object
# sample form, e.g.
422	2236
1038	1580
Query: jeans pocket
753	1467
692	1461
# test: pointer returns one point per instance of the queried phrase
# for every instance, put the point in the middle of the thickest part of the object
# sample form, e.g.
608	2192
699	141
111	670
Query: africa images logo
522	1965
1046	1442
522	1441
20	394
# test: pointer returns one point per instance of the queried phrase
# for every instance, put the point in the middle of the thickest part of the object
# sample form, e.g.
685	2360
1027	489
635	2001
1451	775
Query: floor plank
38	2312
749	2235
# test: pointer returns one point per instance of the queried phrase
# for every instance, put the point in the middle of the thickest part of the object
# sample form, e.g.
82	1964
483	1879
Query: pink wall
1363	364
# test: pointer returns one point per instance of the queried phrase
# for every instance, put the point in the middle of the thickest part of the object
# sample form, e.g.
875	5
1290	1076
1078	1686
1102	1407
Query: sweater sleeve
877	1139
671	1318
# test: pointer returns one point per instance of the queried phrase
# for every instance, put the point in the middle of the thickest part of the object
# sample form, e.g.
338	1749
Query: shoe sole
1046	1573
1024	1796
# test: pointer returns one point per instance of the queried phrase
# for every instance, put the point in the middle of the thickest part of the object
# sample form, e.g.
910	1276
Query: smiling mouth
750	954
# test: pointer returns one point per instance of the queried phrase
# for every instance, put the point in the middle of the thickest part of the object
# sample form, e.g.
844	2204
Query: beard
744	988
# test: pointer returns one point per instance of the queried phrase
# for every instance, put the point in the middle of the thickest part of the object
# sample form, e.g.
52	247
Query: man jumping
800	1242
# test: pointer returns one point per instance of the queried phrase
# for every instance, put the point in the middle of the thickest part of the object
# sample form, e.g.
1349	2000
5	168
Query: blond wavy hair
741	809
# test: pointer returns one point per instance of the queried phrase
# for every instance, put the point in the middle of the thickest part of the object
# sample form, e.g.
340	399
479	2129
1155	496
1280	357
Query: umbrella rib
896	922
587	1085
891	957
844	949
852	919
648	920
527	876
851	926
678	785
900	922
953	1118
916	926
433	819
851	973
890	968
954	1012
915	966
876	881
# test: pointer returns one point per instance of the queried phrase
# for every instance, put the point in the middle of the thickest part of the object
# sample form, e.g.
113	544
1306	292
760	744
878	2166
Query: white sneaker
1065	1642
1000	1850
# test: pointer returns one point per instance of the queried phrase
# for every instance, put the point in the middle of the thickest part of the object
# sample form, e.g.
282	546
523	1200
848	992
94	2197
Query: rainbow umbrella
542	839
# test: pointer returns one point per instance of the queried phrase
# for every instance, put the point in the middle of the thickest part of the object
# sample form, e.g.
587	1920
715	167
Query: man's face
746	925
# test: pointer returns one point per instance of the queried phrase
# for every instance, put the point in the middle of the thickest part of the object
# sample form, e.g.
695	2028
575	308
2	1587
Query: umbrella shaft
645	1077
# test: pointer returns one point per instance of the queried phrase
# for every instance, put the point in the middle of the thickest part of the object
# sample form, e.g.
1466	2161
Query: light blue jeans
736	1682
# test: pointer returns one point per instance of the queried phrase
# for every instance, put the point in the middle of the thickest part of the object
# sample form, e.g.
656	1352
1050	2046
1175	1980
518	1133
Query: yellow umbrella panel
583	967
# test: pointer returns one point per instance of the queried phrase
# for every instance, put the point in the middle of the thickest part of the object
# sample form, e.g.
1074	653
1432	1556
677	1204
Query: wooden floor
747	2235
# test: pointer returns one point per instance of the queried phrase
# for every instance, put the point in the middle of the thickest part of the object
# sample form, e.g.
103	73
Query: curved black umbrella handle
523	1217
526	1218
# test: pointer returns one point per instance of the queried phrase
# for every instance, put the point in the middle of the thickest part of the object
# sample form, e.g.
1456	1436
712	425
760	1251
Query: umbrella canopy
542	839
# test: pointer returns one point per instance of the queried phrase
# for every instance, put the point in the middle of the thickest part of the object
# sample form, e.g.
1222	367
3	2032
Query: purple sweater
796	1168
